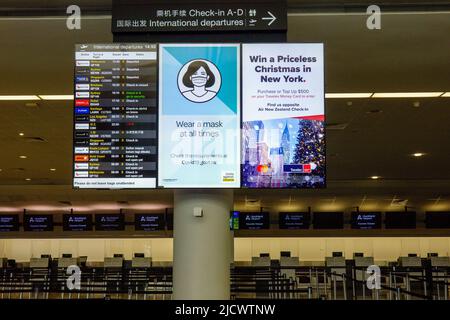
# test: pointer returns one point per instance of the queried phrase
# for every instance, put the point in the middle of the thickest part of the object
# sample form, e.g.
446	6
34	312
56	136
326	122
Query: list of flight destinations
115	114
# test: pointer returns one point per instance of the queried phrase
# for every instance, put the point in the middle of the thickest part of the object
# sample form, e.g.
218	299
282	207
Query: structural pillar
202	245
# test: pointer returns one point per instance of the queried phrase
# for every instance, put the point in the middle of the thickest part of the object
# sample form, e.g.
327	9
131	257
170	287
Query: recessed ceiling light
27	179
26	97
52	169
375	177
418	154
347	95
22	157
21	134
56	97
407	94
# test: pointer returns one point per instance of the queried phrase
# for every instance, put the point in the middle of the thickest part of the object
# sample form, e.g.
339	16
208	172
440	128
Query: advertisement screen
41	222
294	220
199	116
149	222
109	222
283	134
115	116
9	222
77	222
366	220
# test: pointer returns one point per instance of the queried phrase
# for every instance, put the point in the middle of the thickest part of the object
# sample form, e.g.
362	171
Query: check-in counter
261	262
287	265
113	262
362	263
437	262
141	262
64	263
336	265
39	263
410	262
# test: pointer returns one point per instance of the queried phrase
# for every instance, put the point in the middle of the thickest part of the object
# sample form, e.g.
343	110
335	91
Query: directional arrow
272	18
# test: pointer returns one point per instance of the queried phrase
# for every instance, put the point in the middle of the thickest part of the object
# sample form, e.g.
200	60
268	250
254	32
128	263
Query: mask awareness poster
283	129
199	116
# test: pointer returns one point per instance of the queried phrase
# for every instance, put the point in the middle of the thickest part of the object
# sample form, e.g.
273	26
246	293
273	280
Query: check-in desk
39	263
113	262
64	263
261	262
40	275
440	262
113	273
414	275
411	263
336	265
141	262
440	267
361	264
287	266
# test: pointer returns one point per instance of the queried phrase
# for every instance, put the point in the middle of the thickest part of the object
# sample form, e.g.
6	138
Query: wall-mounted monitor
109	222
114	142
283	119
9	222
366	220
77	222
199	116
328	220
254	220
400	220
38	222
437	220
149	222
294	220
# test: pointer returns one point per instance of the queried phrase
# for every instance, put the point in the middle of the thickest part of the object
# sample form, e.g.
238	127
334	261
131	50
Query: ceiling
409	53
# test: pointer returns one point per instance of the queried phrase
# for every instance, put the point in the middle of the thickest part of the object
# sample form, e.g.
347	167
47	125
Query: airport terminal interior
385	206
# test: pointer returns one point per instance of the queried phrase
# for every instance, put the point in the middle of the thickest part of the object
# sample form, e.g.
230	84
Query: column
202	245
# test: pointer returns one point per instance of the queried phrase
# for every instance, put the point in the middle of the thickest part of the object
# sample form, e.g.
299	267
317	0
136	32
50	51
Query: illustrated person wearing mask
199	78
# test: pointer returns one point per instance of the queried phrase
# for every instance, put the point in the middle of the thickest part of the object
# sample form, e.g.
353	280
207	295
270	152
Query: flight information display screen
77	222
115	115
328	220
9	222
109	222
254	220
42	222
149	222
437	220
366	220
294	220
400	220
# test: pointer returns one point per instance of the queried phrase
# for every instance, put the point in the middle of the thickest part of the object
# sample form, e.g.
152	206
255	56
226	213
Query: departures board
115	137
199	116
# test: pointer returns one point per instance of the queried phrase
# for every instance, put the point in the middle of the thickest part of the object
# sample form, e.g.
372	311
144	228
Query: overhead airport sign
268	16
